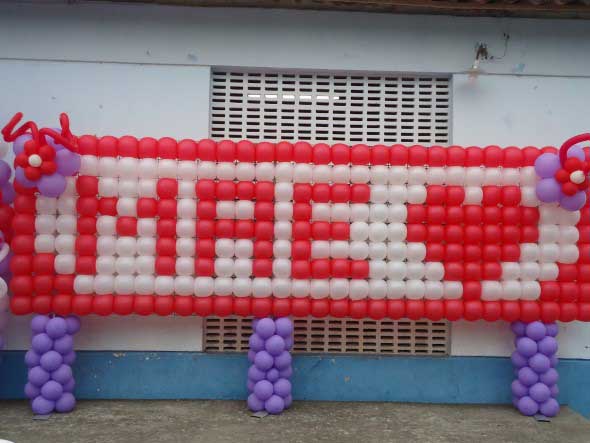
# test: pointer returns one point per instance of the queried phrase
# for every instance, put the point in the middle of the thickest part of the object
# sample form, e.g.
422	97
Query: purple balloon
539	363
251	355
52	390
56	327
288	401
550	408
70	358
554	391
263	389
282	387
51	360
256	343
38	323
64	345
73	324
32	358
283	360
70	385
274	405
518	328
526	347
573	202
52	185
250	386
287	372
263	360
548	190
547	165
66	403
32	391
273	375
553	360
577	151
62	375
547	346
254	404
38	376
536	330
41	343
8	194
527	376
284	327
275	345
550	378
19	177
265	327
5	172
42	406
68	162
256	374
518	389
289	343
552	329
528	406
539	392
518	360
254	323
19	143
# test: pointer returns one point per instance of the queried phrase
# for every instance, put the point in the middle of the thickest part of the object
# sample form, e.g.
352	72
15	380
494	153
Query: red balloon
245	151
187	150
453	309
379	155
300	307
21	285
127	146
377	309
492	195
358	308
417	155
529	311
21	305
320	268
437	156
415	309
339	308
261	307
436	195
265	152
87	145
510	310
62	304
226	151
511	195
23	204
206	189
64	284
23	244
473	310
550	291
42	304
584	312
321	193
103	304
398	155
167	208
513	157
144	304
302	152
167	188
82	304
87	186
396	309
493	156
222	306
123	304
549	312
242	306
87	225
147	148
471	290
126	226
320	308
321	154
456	156
360	155
530	155
43	284
167	148
492	311
340	154
434	310
203	306
568	312
21	265
281	307
284	152
107	146
226	190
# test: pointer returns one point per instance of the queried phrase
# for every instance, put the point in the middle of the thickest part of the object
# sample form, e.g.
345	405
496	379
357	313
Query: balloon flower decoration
564	176
43	157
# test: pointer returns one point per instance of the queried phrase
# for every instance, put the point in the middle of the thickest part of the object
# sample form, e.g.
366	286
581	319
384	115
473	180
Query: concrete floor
228	421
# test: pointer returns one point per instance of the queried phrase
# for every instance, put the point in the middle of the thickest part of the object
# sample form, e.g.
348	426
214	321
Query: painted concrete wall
145	70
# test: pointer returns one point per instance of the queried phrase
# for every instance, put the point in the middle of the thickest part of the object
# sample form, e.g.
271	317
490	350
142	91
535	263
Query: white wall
144	69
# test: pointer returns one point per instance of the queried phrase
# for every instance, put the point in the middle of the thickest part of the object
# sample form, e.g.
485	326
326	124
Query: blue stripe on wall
186	375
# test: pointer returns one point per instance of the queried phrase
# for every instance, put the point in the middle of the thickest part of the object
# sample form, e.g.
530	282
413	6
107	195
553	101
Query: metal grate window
372	109
339	336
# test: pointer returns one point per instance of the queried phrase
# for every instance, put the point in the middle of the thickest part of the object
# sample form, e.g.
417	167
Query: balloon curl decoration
269	375
535	388
50	385
564	176
43	157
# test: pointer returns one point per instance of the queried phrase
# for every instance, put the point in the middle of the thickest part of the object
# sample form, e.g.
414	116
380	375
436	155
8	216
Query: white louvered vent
371	109
338	336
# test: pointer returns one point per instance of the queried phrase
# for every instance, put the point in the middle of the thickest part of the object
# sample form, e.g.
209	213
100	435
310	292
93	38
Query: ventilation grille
338	336
330	108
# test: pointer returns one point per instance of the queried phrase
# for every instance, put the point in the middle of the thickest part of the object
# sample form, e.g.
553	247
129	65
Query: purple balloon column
3	310
535	388
269	374
51	383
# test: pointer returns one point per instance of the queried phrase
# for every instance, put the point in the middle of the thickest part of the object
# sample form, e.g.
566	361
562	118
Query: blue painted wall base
186	375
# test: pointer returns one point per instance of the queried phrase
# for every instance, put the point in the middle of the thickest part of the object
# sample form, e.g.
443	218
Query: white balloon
396	289
224	248
242	287
283	172
145	284
265	171
282	248
339	288
415	289
127	167
433	290
397	251
359	289
281	268
377	250
377	269
281	287
185	228
396	270
417	175
125	265
379	193
126	246
282	230
284	192
244	248
261	287
320	249
146	246
147	168
65	244
379	175
44	243
398	194
105	264
398	175
415	270
204	286
124	284
359	212
378	212
243	267
185	247
360	174
245	171
65	264
300	288
226	171
416	194
359	231
319	212
186	208
166	168
322	173
377	289
187	170
224	267
359	250
103	284
416	251
339	249
84	284
147	188
302	173
184	285
378	232
45	224
106	225
164	285
341	174
319	288
340	212
146	264
185	265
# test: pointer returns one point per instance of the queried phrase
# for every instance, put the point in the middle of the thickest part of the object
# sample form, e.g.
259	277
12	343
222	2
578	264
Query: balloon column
535	388
6	216
269	374
51	383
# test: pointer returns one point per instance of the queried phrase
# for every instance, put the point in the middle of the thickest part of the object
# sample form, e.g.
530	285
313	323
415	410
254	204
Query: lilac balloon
547	165
250	386
251	355
52	390
254	404
552	329
528	406
518	389
288	401
38	376
19	143
254	323
256	342
32	391
526	347
42	406
287	372
518	360
284	326
70	385
553	360
70	358
273	375
73	324
275	345
56	327
66	403
536	330
256	374
265	328
19	176
527	376
547	346
550	378
5	172
577	151
32	358
68	162
518	328
548	190
283	360
263	389
41	343
263	360
539	363
52	185
573	202
274	405
8	194
64	345
38	323
554	391
51	360
539	392
62	375
550	408
282	387
289	343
